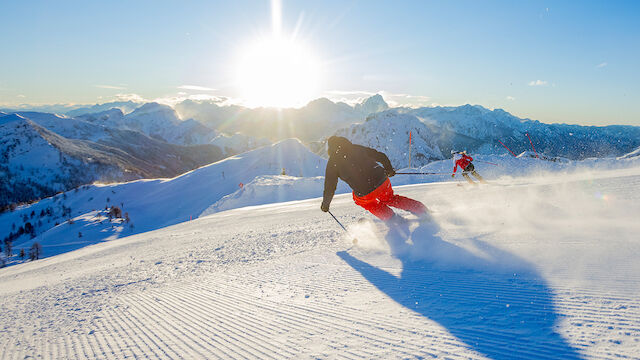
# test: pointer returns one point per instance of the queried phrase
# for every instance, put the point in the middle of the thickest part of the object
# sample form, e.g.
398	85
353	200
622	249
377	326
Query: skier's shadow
494	302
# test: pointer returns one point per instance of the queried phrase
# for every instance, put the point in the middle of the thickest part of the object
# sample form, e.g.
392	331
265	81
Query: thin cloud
405	100
538	83
129	97
354	92
112	87
172	100
510	98
195	88
21	96
353	97
601	65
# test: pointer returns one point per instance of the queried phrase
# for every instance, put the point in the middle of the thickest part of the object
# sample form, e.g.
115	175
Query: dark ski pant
470	169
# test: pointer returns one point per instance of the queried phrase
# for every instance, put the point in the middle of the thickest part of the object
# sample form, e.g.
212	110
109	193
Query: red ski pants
379	200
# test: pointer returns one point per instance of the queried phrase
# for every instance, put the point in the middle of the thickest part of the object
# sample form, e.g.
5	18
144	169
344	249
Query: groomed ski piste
531	267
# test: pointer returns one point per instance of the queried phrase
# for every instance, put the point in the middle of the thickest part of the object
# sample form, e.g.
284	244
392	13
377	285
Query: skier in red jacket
367	172
463	160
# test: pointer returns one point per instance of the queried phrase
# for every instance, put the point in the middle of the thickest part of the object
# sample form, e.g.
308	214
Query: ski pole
422	173
355	241
486	162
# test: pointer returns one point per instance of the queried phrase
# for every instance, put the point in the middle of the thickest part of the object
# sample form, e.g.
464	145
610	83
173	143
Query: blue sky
561	61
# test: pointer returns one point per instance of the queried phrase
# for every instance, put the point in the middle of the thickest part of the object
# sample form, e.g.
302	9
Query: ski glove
324	207
453	175
390	172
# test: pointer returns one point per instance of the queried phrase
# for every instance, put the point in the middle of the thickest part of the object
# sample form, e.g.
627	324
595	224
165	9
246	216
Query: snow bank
273	189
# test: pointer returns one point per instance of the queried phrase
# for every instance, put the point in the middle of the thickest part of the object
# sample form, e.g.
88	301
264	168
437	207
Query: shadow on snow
481	299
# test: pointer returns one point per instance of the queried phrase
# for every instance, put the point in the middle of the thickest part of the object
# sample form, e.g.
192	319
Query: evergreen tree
8	247
36	251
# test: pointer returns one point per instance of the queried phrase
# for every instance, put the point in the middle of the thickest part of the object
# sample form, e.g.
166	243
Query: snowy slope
537	270
152	204
634	153
238	143
271	189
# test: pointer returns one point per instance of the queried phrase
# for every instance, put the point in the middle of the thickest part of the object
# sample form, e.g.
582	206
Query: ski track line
328	323
4	350
307	333
160	332
487	338
95	345
230	336
247	311
124	346
87	351
105	330
551	350
100	340
244	310
248	329
294	323
175	331
140	344
148	333
521	295
347	314
217	337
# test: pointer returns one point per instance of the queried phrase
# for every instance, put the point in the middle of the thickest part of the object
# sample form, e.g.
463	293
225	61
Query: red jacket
463	162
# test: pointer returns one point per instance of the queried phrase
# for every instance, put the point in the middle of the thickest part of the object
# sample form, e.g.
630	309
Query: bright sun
277	72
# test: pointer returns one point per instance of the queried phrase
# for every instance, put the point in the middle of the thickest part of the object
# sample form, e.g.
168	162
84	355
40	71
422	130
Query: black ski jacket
357	165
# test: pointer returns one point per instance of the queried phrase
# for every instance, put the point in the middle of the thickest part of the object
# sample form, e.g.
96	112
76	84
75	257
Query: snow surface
152	204
529	268
273	189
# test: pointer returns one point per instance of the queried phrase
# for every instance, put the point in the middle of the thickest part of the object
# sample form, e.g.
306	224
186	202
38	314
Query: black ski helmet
335	143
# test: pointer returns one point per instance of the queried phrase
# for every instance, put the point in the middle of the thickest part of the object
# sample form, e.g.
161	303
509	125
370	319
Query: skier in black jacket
367	172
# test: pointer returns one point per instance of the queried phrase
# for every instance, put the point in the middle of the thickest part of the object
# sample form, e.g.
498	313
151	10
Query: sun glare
277	72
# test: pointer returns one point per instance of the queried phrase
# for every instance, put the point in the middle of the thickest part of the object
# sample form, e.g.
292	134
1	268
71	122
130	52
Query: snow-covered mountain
78	152
71	128
36	163
372	105
162	122
155	120
486	127
389	132
480	130
315	121
152	204
125	106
